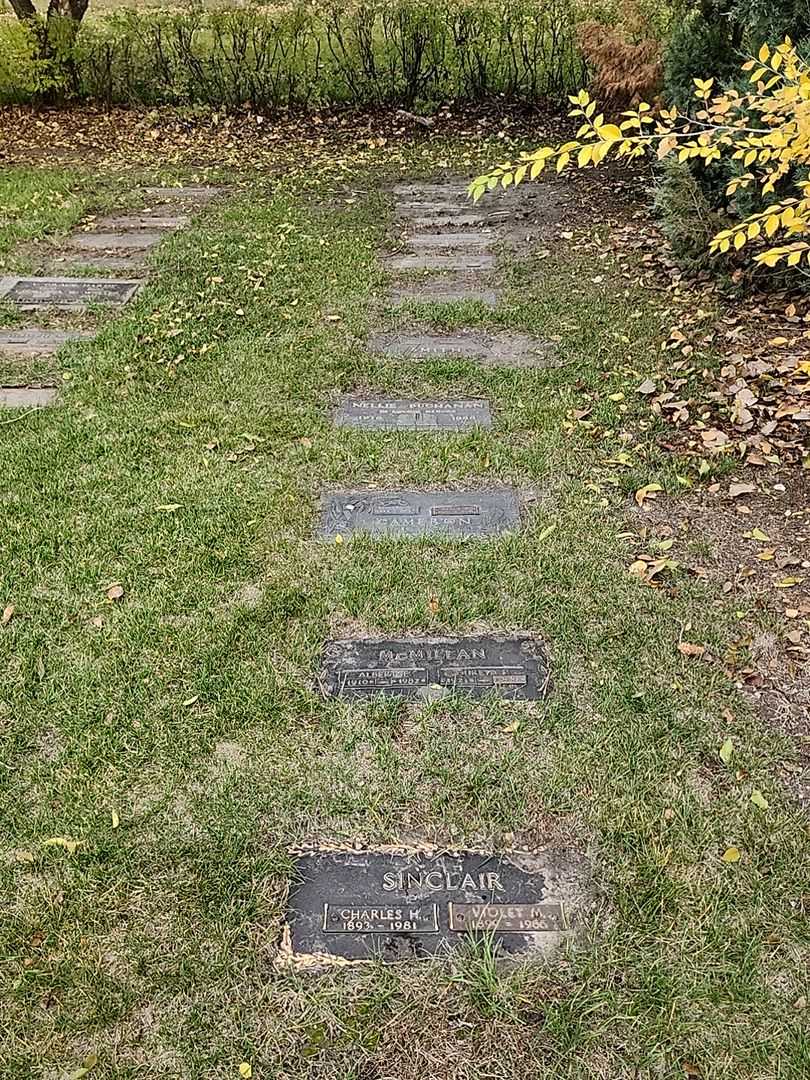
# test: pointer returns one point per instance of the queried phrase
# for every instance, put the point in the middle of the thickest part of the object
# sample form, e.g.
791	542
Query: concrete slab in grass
439	291
496	348
31	341
27	397
141	240
459	260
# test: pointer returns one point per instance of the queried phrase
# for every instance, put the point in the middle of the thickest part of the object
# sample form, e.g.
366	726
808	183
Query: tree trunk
68	13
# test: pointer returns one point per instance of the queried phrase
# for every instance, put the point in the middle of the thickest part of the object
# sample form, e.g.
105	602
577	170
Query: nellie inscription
506	666
407	415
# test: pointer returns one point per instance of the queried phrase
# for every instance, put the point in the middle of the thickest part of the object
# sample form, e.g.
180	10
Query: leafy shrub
698	48
688	218
372	52
764	133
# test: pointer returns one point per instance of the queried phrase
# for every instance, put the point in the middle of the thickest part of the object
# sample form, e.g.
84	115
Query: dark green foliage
689	218
699	49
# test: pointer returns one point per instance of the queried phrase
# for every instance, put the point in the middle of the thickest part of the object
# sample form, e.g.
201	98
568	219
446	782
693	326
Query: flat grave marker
459	241
442	218
451	190
32	341
409	415
140	240
27	397
444	261
366	905
507	348
194	193
66	293
136	222
426	668
474	514
437	291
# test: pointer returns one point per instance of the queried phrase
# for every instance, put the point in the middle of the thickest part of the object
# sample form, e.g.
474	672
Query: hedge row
380	52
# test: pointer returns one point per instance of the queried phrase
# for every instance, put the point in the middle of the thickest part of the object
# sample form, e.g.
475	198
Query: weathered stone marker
476	514
507	666
130	222
364	905
66	293
27	397
194	193
441	217
140	240
387	414
451	241
507	348
30	341
459	260
452	190
443	292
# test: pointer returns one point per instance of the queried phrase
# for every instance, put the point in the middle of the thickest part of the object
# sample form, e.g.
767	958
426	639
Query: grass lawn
176	735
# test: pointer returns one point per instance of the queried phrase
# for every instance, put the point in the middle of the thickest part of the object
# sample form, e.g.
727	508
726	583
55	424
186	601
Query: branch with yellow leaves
768	148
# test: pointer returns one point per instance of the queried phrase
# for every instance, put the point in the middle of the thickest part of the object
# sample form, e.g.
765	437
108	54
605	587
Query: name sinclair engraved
440	880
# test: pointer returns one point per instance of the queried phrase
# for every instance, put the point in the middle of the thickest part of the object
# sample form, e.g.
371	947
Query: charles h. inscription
363	904
508	666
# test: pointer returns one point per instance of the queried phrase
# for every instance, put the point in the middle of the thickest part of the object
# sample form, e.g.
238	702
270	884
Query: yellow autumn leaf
649	491
608	132
732	855
63	842
245	1070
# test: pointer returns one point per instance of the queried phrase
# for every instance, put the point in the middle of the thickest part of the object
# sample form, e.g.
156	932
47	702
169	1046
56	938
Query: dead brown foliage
625	61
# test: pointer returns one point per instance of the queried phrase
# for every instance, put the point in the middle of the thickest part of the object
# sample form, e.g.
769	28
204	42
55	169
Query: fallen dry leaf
115	592
686	648
8	611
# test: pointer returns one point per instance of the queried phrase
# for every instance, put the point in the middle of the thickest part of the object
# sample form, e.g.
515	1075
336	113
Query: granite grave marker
27	397
474	514
66	293
409	415
459	260
364	905
508	348
507	666
32	341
